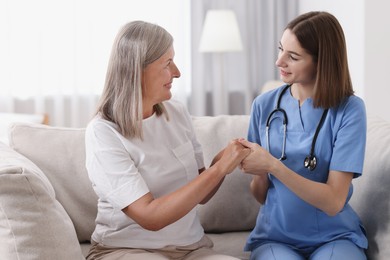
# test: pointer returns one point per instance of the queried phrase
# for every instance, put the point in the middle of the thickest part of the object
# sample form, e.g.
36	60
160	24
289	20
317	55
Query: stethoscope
310	161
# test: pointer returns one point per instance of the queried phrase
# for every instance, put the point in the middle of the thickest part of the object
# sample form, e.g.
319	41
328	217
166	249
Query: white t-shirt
123	170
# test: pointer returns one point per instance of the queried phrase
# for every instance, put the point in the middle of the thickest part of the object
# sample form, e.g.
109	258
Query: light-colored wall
377	57
367	32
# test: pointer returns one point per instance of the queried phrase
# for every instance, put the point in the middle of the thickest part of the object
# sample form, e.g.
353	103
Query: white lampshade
220	32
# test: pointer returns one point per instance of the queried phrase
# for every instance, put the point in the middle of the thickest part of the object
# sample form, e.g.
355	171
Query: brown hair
321	35
136	45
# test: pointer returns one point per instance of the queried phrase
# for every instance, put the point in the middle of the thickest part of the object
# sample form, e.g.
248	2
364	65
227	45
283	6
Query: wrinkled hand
232	156
258	162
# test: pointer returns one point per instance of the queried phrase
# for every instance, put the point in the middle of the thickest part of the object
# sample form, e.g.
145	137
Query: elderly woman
144	160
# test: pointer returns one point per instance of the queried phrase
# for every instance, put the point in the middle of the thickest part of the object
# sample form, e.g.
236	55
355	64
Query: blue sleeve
350	139
254	123
261	107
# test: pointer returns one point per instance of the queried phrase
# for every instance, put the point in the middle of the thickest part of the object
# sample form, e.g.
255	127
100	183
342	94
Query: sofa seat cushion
33	224
230	243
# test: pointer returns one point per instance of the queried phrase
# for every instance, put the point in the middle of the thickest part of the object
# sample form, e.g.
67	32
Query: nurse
308	141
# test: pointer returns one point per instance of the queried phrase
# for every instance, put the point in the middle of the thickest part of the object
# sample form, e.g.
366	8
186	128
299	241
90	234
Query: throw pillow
60	153
33	224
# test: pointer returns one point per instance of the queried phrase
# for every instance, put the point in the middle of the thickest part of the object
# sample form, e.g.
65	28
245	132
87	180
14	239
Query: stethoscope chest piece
310	162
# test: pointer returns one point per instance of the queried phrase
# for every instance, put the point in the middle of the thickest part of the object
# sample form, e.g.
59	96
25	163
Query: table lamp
220	35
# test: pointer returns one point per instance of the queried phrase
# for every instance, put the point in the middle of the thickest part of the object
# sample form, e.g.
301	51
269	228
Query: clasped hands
249	157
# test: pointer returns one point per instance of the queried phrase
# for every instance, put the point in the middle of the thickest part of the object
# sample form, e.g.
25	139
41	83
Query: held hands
232	156
259	161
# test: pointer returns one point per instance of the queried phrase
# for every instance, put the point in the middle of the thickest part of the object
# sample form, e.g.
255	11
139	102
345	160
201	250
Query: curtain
261	23
54	53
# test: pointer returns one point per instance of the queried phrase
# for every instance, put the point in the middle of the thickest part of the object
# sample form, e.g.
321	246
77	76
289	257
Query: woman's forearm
156	213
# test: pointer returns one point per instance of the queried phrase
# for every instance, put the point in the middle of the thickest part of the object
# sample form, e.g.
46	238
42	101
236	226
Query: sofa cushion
371	191
231	243
33	224
233	208
60	153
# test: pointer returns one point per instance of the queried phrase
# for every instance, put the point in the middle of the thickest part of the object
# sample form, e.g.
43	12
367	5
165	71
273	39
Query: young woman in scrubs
305	186
144	160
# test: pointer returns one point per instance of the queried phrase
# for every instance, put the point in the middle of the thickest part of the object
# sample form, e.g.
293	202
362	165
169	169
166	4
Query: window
51	47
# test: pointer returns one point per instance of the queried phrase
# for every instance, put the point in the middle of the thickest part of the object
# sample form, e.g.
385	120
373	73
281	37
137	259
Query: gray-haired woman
143	159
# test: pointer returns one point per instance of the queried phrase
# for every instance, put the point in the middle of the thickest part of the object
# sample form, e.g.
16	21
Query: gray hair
136	45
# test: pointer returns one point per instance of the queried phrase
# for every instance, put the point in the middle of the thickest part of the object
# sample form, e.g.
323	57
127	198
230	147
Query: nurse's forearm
329	197
259	187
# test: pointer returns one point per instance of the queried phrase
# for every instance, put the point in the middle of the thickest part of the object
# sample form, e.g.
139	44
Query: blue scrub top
340	146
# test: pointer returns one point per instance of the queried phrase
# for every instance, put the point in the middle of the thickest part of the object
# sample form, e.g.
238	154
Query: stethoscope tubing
310	161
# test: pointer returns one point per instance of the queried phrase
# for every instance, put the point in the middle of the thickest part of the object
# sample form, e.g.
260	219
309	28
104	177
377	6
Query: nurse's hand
230	157
259	161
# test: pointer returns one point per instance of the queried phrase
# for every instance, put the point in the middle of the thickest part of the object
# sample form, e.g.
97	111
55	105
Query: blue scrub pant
335	250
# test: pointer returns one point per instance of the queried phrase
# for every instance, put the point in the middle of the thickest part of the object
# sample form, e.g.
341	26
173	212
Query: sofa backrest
371	197
233	208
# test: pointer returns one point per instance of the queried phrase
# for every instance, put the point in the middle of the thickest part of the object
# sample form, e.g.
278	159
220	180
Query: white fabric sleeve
113	173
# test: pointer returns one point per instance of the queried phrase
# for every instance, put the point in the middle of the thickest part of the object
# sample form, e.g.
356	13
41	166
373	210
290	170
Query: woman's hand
259	161
231	156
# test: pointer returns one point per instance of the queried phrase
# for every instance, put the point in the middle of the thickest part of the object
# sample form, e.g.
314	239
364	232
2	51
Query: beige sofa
47	205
